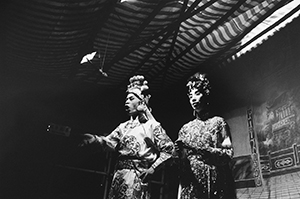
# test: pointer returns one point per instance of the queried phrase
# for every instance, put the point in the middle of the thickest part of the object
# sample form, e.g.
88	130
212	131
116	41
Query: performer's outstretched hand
87	139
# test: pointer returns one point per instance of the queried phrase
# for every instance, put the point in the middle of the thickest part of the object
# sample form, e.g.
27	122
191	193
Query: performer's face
196	97
131	104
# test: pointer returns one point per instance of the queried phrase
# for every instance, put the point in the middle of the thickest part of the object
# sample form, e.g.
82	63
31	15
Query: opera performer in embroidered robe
141	143
204	149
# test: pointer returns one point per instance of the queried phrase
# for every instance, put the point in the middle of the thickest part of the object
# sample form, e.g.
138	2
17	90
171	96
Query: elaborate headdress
199	81
139	87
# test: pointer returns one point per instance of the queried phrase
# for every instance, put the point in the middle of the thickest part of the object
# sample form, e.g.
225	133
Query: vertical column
254	154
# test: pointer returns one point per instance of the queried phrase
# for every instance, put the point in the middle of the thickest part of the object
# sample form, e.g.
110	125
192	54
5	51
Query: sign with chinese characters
277	125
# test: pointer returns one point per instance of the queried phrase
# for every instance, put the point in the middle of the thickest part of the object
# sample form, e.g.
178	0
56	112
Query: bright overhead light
127	1
88	57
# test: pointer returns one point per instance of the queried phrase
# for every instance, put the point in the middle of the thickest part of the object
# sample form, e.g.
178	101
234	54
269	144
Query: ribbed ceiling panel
164	40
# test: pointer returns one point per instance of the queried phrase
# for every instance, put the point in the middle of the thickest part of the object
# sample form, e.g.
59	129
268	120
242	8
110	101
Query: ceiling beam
225	17
137	33
164	72
169	29
208	31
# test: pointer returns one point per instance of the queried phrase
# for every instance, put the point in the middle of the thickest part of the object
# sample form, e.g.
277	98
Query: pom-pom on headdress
139	87
200	82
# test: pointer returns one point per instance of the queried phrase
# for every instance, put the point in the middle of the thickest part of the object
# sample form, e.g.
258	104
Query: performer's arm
223	151
164	144
109	142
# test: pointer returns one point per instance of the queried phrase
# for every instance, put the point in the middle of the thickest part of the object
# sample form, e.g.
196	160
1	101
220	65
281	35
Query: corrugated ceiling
164	40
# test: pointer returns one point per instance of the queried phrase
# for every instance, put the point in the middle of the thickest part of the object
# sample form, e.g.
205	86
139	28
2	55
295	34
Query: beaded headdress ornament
139	87
200	82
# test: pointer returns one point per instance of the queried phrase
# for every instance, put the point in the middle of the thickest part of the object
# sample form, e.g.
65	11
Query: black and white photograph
149	99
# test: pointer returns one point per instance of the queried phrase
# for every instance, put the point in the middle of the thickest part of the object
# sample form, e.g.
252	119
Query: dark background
28	103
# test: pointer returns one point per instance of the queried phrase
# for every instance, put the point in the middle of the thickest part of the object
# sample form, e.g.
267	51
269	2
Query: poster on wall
277	126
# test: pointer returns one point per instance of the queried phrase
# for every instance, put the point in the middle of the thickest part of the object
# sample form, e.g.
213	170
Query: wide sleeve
222	149
164	144
182	138
111	141
182	134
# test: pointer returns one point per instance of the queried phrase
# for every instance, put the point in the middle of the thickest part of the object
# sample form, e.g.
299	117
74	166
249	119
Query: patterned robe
136	154
205	171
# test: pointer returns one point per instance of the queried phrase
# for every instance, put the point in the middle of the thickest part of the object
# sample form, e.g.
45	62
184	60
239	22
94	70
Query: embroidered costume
206	167
204	149
141	143
136	155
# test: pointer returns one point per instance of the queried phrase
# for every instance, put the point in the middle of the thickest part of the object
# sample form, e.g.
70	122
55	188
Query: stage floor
278	187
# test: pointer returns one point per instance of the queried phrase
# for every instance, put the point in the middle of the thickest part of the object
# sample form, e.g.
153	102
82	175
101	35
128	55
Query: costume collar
133	122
